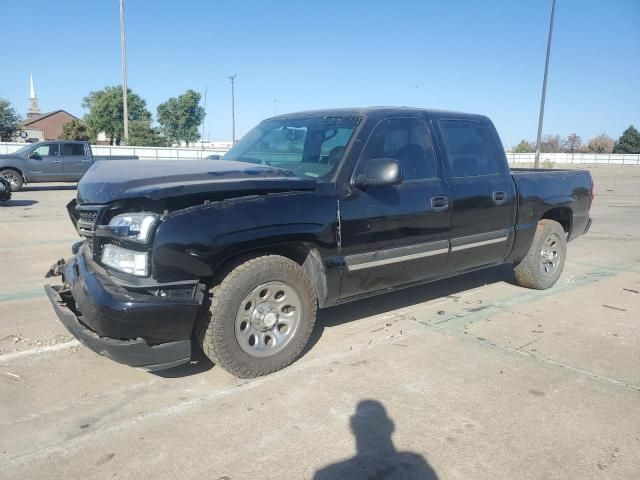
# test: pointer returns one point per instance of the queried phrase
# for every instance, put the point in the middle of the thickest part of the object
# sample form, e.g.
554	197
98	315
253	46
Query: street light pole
544	86
204	116
123	42
233	109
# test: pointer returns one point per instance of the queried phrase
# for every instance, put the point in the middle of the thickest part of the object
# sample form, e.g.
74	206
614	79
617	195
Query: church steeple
34	108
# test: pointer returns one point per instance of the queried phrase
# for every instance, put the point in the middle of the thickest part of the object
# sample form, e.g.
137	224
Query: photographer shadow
376	457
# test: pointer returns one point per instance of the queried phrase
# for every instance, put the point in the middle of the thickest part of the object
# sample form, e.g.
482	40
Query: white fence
170	153
577	158
144	153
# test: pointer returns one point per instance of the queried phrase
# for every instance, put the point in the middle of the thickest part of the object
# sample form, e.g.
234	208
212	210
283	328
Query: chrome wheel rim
268	319
550	255
13	180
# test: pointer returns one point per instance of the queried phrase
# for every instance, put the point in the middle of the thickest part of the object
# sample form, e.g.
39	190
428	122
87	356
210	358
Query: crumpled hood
106	182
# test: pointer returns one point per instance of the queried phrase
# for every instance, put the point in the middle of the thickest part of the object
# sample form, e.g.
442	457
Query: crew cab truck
50	161
308	210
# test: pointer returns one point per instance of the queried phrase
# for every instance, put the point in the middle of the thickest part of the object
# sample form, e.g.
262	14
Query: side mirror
35	156
379	172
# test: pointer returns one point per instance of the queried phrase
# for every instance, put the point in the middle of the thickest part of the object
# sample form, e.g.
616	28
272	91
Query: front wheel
260	317
14	178
544	262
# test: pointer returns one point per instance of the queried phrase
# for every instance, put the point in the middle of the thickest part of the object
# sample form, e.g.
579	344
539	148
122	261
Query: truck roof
378	112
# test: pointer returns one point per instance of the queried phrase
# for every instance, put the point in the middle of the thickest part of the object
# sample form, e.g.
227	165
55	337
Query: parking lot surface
468	378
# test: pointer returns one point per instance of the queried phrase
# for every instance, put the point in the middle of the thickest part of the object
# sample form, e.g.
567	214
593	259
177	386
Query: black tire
216	324
14	178
544	262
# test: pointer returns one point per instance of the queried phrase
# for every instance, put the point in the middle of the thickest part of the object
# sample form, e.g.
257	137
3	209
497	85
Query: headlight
134	226
128	261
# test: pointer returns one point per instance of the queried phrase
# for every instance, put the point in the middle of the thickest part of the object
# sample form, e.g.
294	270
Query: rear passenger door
75	160
396	235
483	193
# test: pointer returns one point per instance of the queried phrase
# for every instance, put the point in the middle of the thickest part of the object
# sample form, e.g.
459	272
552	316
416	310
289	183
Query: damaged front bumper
142	326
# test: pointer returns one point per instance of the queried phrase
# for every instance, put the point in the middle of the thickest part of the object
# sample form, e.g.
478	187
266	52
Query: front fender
193	243
14	163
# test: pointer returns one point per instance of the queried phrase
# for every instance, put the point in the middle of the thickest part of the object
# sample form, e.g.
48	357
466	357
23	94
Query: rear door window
470	152
72	149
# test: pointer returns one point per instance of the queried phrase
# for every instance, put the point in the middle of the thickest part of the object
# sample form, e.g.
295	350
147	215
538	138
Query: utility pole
123	42
204	117
544	87
233	109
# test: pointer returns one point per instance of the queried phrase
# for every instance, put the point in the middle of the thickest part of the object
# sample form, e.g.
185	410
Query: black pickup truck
50	161
308	210
5	189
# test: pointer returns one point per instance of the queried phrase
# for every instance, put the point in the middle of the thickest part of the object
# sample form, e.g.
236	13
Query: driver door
44	163
398	234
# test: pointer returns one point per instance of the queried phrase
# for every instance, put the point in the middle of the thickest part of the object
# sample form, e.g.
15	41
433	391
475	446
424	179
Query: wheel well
17	170
307	256
562	215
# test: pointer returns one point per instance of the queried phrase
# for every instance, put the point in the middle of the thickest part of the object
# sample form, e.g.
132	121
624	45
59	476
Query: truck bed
542	189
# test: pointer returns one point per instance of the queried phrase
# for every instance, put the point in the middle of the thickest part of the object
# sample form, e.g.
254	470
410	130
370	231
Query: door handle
439	203
499	197
57	161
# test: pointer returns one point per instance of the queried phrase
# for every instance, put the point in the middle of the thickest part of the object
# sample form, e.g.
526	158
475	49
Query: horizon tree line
179	118
628	142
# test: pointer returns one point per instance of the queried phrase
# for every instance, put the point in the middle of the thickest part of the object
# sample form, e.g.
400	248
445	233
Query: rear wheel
544	262
14	178
260	317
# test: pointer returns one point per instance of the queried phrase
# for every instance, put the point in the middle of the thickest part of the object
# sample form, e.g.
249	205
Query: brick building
46	126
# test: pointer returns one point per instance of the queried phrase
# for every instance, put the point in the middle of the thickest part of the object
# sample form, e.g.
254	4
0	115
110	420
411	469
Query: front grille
88	216
87	219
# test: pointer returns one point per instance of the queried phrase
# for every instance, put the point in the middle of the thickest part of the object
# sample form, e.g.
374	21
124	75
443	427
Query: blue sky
477	56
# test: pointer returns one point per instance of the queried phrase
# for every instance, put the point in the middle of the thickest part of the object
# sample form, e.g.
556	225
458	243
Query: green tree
141	133
106	112
573	143
74	130
179	117
551	144
525	147
9	121
629	142
603	143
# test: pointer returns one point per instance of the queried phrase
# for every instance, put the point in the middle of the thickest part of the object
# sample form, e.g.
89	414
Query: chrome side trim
479	244
395	255
482	239
386	261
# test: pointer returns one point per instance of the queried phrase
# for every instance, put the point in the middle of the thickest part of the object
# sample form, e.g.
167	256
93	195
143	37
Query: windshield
24	149
308	146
